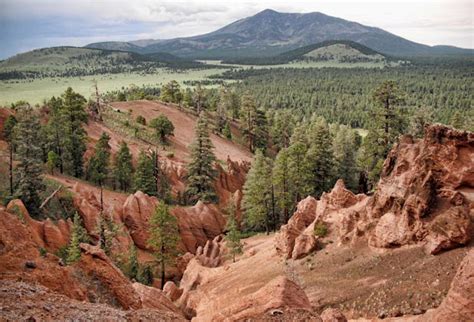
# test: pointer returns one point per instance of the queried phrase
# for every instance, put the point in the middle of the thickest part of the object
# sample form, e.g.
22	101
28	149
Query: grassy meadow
36	90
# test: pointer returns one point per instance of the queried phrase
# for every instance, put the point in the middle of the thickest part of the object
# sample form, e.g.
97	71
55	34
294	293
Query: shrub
43	252
320	229
140	120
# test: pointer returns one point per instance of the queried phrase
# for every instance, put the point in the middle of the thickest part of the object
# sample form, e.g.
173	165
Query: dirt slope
184	124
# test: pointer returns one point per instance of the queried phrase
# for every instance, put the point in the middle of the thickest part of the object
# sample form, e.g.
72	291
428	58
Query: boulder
304	244
333	315
153	298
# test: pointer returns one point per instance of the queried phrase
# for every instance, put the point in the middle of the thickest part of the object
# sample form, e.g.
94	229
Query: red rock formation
425	195
171	291
277	294
154	298
47	234
302	218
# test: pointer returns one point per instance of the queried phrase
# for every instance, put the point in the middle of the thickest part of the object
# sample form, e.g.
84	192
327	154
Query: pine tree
29	170
257	194
123	168
52	162
171	92
345	156
98	166
248	119
8	134
161	181
261	131
77	233
226	131
199	97
144	175
421	118
319	158
282	129
233	235
73	116
163	128
282	184
164	237
201	172
55	130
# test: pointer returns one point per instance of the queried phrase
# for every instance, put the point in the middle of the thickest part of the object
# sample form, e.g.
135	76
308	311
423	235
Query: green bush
43	252
320	229
140	120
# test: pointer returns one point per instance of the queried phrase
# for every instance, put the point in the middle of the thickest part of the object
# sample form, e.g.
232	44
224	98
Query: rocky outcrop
49	235
106	279
210	255
279	293
171	291
30	301
338	211
425	195
153	298
419	196
302	218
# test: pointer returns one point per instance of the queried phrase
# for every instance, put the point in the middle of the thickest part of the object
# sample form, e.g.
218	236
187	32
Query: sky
31	24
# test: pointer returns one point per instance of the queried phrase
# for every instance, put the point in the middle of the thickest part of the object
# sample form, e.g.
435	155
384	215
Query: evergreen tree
226	131
123	169
201	171
52	162
319	158
199	97
73	116
282	184
55	130
257	194
8	134
282	129
161	181
77	233
29	170
233	235
171	93
261	131
98	166
164	237
421	118
144	175
248	119
345	156
163	128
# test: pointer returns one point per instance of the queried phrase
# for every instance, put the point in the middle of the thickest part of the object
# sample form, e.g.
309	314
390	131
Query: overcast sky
29	24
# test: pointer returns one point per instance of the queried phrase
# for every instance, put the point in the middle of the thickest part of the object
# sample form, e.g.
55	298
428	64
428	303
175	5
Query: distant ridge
269	33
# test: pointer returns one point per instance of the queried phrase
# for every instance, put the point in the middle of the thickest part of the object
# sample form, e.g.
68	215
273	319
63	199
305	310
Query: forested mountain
78	61
344	51
270	32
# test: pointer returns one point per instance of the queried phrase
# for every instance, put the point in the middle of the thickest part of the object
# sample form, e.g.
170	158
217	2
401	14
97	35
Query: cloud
28	24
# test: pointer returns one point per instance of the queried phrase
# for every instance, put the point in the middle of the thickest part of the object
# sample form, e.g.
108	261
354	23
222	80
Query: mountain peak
267	12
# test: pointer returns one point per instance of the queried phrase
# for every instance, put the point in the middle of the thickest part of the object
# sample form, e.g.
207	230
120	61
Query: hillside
77	61
270	32
339	51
